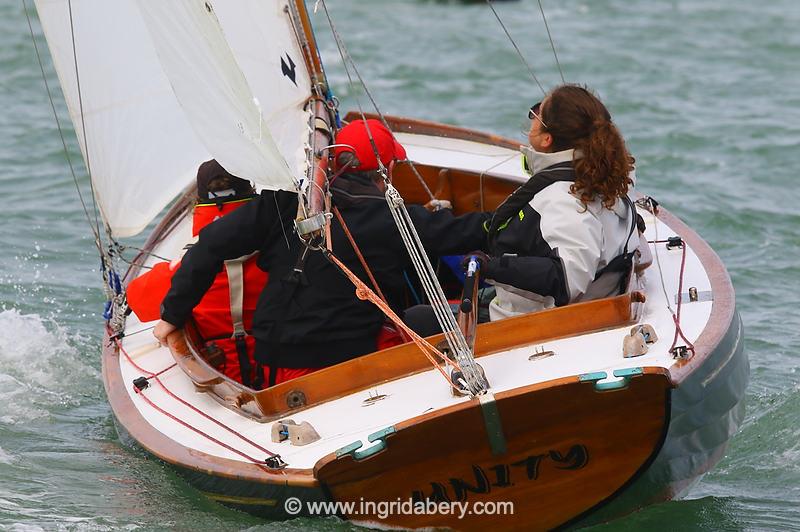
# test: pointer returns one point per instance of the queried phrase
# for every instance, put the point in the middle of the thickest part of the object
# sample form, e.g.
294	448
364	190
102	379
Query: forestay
141	140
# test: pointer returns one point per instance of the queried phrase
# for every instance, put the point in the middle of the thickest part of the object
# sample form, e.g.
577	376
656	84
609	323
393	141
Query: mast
322	127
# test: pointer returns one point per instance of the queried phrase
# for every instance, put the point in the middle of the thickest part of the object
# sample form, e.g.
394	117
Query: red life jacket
215	316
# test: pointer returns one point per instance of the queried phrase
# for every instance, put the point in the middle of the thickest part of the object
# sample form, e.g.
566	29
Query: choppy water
707	94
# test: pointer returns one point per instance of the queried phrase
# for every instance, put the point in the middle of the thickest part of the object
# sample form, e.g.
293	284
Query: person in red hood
226	326
308	315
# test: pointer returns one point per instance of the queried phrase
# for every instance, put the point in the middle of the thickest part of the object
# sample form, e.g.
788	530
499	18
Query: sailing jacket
549	249
308	314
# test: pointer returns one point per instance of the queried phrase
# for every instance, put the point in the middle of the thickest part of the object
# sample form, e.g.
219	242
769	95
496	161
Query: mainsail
148	107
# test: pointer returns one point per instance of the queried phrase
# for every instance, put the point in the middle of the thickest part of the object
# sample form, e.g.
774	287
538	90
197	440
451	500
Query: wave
43	367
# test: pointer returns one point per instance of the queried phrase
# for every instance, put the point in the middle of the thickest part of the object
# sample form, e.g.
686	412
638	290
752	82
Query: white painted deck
343	421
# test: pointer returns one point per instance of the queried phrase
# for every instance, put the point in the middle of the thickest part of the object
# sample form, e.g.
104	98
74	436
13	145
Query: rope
255	461
359	254
154	376
519	53
364	264
676	315
364	293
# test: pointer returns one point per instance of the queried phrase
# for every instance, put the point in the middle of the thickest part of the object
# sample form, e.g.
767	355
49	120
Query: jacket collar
351	189
538	161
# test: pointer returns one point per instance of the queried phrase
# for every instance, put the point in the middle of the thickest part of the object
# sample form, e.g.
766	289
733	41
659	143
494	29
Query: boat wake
40	365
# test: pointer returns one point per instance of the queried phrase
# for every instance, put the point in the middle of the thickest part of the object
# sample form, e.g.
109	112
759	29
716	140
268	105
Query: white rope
475	383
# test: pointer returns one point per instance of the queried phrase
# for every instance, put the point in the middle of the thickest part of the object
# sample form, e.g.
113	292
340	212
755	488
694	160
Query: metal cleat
647	331
301	434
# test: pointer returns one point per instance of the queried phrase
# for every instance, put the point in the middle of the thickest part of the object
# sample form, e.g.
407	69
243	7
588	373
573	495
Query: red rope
246	456
403	335
154	376
677	318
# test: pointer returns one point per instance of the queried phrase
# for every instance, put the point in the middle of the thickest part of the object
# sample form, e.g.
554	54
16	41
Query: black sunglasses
536	112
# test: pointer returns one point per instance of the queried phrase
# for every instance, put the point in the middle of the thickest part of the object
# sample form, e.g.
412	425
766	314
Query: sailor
224	316
308	315
567	234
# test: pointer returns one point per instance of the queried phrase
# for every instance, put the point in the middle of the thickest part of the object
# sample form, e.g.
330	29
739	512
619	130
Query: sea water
707	94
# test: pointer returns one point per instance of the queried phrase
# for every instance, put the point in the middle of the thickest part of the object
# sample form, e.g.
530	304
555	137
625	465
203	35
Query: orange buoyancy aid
214	314
225	314
205	213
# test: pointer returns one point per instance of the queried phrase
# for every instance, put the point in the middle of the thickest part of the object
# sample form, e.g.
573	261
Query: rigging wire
346	57
552	44
116	305
94	226
475	382
83	121
519	53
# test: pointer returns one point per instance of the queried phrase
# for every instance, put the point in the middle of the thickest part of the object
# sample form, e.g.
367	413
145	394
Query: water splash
40	362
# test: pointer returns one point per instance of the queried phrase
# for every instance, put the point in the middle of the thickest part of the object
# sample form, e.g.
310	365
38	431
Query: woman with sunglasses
567	234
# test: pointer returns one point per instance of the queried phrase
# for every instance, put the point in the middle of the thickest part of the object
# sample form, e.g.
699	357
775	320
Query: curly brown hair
576	118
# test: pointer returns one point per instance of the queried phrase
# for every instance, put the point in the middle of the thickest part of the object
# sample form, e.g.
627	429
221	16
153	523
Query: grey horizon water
706	93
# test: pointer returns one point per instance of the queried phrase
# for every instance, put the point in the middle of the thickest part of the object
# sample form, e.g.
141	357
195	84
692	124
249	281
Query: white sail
213	91
139	146
154	109
266	49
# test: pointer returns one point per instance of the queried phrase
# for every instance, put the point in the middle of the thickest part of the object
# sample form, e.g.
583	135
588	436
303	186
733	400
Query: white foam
6	458
39	367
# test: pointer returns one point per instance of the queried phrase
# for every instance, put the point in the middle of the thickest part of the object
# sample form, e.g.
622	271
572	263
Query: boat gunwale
172	452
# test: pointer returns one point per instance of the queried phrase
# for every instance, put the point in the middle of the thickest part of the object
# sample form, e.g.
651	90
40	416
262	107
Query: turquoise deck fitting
598	377
378	438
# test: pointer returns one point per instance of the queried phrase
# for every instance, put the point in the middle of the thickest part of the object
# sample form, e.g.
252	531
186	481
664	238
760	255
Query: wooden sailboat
571	431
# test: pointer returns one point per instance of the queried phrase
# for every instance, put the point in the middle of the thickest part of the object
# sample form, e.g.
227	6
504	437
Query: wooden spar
308	43
323	126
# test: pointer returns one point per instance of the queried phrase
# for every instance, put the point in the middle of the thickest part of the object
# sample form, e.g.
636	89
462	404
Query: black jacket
314	319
